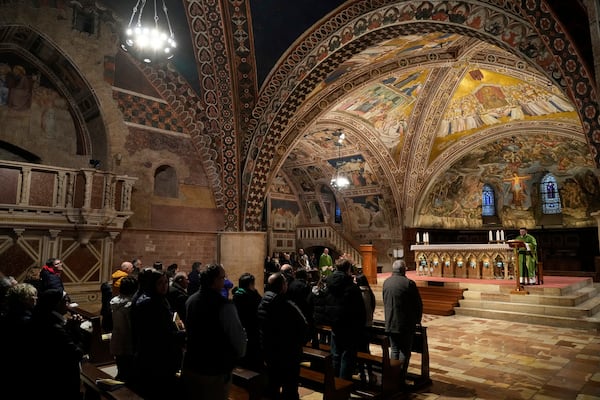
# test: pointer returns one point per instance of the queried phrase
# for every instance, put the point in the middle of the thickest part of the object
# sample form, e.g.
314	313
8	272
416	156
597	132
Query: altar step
573	306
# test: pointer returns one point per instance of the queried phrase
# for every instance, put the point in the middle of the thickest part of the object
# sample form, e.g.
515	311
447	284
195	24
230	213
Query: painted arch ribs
499	22
205	18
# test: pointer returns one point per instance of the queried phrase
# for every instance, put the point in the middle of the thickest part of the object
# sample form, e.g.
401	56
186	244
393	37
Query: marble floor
475	358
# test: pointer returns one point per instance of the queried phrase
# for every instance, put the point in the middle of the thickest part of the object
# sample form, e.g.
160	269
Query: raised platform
562	301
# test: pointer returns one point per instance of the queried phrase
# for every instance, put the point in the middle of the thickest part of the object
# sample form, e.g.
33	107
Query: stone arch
83	104
521	28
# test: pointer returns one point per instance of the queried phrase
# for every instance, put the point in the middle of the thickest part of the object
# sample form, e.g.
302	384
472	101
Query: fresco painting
356	169
367	213
454	200
485	98
284	215
280	186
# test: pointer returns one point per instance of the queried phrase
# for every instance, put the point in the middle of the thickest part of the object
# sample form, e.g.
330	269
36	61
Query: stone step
567	300
591	323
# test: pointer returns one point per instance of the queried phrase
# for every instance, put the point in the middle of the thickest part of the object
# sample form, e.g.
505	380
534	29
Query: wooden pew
420	346
99	349
90	373
318	374
389	371
251	382
247	385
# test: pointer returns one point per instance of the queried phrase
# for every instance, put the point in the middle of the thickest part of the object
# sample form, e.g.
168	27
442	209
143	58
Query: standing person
51	275
302	260
227	286
369	301
59	350
171	271
403	309
178	294
283	332
216	339
33	277
137	265
121	341
246	299
325	260
346	312
157	342
527	258
125	269
18	337
194	278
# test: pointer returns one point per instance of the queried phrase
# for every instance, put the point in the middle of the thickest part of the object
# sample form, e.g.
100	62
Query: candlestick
502	235
490	236
418	237
497	236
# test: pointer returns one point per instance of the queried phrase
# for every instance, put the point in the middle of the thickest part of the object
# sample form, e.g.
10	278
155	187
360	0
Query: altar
476	261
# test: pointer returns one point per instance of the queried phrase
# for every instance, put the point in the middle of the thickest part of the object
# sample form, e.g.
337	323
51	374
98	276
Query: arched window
550	196
488	202
165	182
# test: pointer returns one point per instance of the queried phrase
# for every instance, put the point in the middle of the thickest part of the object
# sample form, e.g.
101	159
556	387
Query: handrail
329	236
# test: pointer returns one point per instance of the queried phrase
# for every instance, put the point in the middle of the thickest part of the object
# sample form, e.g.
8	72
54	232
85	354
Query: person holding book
527	258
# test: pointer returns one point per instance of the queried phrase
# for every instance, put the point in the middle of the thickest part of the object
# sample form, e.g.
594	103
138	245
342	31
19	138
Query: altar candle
426	237
418	237
491	237
502	235
497	236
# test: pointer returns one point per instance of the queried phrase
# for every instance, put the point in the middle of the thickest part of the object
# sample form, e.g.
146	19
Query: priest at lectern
527	258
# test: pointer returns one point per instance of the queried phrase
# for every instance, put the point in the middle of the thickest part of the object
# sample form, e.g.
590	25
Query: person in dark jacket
403	309
283	332
51	275
157	342
216	339
194	278
345	313
59	350
178	295
246	299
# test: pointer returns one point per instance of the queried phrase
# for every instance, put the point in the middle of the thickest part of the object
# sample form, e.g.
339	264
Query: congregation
177	334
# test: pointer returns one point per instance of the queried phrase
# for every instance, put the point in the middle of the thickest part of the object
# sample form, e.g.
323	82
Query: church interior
271	126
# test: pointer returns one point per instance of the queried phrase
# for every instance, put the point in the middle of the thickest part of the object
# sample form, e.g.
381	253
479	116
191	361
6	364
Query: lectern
516	245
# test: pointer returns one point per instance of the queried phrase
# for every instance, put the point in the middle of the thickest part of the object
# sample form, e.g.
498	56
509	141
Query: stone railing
42	196
328	236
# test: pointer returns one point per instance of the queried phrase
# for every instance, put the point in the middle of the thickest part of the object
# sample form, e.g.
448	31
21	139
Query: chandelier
339	181
145	39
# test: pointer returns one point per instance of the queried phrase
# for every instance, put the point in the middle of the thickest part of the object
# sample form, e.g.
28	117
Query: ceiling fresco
454	106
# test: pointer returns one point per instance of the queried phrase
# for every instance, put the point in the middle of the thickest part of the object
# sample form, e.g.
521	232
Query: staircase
328	236
575	306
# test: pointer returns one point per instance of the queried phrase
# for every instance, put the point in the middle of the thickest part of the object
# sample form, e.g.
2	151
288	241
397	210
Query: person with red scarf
51	275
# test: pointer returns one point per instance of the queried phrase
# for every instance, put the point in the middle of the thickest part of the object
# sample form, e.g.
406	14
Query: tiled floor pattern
474	358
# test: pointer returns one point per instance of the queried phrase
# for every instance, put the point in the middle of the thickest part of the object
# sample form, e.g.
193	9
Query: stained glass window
550	196
488	203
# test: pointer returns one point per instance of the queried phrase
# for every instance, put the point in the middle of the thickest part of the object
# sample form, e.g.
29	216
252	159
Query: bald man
125	269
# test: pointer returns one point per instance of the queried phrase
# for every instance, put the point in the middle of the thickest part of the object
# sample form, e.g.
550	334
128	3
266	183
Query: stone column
241	252
596	215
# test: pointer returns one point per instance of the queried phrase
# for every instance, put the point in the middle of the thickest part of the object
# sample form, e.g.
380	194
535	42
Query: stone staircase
576	305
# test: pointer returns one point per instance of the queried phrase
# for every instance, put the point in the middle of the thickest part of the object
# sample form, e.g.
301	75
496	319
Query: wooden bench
317	374
389	371
420	346
90	373
99	348
246	385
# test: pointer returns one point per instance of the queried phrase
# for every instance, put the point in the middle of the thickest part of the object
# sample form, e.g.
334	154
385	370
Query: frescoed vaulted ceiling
424	91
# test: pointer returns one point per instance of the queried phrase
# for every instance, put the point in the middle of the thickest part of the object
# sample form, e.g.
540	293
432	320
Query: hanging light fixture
339	181
147	40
